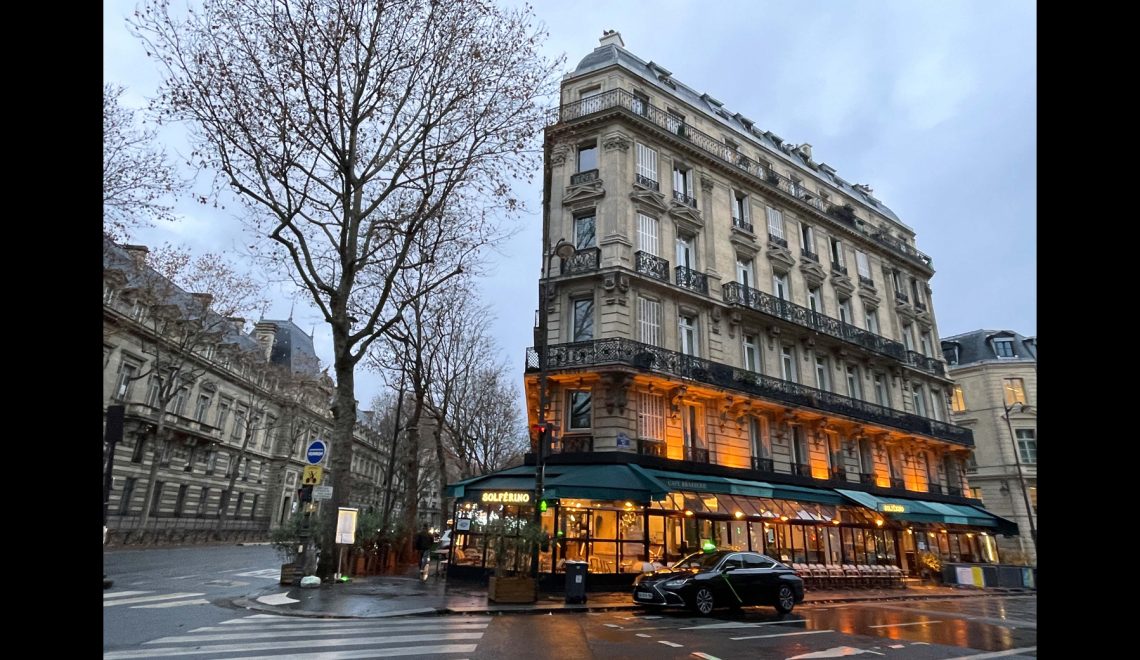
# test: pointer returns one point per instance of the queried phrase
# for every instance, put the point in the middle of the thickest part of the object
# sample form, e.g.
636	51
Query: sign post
345	533
314	454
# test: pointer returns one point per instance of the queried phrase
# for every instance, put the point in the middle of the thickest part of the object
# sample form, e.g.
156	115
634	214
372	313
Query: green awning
678	481
924	511
595	482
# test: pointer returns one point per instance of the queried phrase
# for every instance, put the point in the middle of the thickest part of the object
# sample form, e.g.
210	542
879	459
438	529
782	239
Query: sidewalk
387	596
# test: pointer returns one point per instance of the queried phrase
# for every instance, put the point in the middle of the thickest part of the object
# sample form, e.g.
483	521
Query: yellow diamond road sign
311	476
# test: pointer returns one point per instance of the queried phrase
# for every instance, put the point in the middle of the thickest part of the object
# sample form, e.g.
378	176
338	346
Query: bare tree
366	139
139	183
485	426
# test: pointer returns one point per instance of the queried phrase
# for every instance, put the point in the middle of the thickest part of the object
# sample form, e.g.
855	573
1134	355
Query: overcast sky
934	104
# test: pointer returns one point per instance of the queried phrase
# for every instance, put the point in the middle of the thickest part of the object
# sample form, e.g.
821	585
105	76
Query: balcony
690	279
809	255
584	177
648	183
633	354
583	261
920	306
934	488
801	469
867	282
697	454
620	100
738	294
925	363
954	491
763	464
651	265
838	474
836	268
776	240
867	478
647	447
901	297
742	224
898	484
574	444
681	197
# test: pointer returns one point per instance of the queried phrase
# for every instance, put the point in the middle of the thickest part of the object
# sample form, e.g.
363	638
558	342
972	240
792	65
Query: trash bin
576	581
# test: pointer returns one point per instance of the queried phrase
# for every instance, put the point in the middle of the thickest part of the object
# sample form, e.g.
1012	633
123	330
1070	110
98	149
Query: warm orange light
879	522
836	521
783	518
969	535
909	530
688	513
943	531
739	514
629	504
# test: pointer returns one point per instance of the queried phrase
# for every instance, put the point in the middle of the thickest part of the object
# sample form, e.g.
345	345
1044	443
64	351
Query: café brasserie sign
505	497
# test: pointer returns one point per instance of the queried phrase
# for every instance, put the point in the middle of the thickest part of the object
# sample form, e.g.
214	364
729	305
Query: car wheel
785	599
703	601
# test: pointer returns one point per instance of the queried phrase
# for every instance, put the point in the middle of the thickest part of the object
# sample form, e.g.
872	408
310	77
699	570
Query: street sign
316	452
346	525
312	476
322	493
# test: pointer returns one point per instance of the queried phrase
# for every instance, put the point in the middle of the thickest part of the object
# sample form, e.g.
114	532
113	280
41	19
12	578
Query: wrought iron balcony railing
763	464
736	293
866	281
801	469
697	454
621	100
836	268
684	199
740	223
776	240
838	474
651	265
575	444
925	363
584	177
920	306
867	478
647	447
934	488
955	491
901	297
583	261
629	353
648	183
809	255
693	280
898	483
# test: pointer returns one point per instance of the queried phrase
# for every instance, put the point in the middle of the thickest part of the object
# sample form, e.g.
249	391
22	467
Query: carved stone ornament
558	154
707	184
616	390
616	141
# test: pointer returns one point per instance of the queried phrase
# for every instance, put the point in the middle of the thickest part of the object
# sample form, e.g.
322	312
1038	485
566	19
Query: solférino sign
892	508
506	497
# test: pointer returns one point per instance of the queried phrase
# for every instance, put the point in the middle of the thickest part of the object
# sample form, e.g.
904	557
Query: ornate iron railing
898	483
647	447
584	260
934	488
901	297
651	265
620	99
867	478
737	293
684	199
697	454
801	469
809	255
763	464
584	177
691	279
776	240
575	444
867	281
626	352
648	183
836	268
925	363
839	474
740	223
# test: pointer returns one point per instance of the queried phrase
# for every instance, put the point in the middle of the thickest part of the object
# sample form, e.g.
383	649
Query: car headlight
673	584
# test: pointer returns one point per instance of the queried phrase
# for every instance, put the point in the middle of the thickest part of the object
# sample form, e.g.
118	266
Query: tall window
788	362
751	353
203	408
692	419
866	456
897	279
583	320
853	389
775	223
936	404
676	122
822	380
872	319
863	264
919	399
1027	446
1014	391
682	180
740	207
651	416
799	446
758	434
180	401
580	409
128	372
908	337
807	237
835	447
837	252
914	291
815	299
647	166
154	392
223	414
180	502
780	286
647	234
881	391
744	273
589	103
958	400
845	311
585	232
688	330
685	251
239	423
640	103
588	156
649	321
924	342
125	500
203	497
156	496
1004	348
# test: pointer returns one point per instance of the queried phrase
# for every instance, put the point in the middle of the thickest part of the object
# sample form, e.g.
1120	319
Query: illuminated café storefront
624	519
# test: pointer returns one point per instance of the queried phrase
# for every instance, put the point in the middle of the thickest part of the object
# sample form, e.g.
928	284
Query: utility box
576	572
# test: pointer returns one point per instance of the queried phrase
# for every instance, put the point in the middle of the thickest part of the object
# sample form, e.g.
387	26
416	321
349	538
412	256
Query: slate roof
293	348
977	345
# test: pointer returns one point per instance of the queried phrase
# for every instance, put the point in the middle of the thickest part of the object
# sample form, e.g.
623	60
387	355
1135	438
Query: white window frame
651	416
822	373
750	349
908	336
854	386
683	176
918	399
882	396
936	404
648	234
758	436
649	321
845	311
863	264
1012	351
780	286
686	251
1013	391
871	318
1023	445
775	222
836	251
693	431
745	273
815	299
687	326
574	302
924	343
740	206
807	237
788	363
647	163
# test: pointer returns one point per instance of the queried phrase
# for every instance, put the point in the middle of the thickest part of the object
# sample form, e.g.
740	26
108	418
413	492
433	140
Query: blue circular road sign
316	452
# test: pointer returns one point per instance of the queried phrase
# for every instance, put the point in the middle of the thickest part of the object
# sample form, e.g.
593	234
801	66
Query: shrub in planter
512	542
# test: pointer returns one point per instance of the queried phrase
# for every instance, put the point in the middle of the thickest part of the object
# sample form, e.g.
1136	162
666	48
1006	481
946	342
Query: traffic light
305	494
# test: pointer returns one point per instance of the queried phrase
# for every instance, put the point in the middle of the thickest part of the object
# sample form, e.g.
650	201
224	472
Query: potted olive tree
512	542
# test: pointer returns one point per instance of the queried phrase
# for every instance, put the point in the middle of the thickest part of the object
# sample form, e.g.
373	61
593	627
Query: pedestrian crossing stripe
148	599
267	573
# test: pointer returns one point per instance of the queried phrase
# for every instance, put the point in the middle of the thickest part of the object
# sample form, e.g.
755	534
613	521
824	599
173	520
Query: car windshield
700	560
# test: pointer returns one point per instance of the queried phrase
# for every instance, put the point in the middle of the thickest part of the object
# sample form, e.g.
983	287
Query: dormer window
1004	348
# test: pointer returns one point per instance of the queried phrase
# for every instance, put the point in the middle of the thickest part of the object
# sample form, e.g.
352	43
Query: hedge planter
511	590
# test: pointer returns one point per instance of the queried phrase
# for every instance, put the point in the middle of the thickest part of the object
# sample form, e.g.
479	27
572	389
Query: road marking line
913	623
185	577
388	653
995	654
657	628
706	656
277	645
147	599
644	635
805	632
177	603
277	599
278	634
294	623
837	652
650	617
741	624
124	594
661	641
896	646
611	625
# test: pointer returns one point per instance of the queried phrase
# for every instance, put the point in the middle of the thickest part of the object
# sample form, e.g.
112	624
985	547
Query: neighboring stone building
740	350
996	371
271	373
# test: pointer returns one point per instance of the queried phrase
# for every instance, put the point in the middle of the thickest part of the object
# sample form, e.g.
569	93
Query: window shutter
647	234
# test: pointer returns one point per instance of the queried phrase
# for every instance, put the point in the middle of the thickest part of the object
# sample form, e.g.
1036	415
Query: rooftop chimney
805	149
138	253
238	323
265	332
611	37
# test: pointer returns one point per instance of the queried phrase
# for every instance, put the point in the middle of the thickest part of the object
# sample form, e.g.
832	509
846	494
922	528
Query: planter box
511	590
290	573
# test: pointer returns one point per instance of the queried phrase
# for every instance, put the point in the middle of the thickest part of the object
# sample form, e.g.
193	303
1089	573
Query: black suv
703	581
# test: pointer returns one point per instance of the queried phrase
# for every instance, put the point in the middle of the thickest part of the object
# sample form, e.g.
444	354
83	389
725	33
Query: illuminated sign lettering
892	508
506	497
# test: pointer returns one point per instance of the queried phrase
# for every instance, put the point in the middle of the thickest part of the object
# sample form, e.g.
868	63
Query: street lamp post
1022	407
565	250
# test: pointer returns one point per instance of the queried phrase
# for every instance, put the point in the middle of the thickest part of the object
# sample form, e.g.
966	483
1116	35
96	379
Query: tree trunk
441	458
412	480
390	475
158	447
235	466
340	461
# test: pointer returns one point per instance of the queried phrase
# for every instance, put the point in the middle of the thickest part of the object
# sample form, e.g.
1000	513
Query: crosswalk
270	636
151	600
